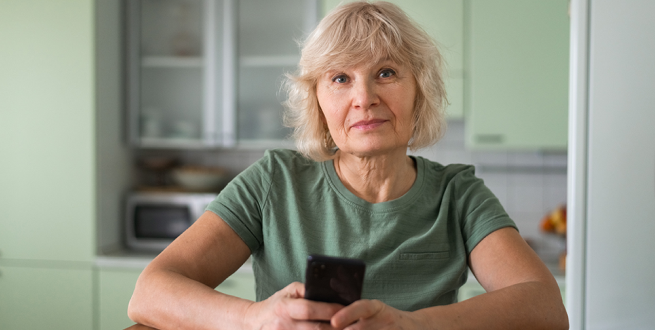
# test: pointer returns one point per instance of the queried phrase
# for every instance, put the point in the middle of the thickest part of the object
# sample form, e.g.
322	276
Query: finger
312	326
360	309
307	310
299	325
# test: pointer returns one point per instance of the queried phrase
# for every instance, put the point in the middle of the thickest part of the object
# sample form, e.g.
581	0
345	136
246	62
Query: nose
365	94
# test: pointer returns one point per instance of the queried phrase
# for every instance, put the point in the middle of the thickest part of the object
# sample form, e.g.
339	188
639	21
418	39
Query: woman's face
369	108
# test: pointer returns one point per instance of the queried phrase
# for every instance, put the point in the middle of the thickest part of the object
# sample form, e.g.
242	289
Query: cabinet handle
490	138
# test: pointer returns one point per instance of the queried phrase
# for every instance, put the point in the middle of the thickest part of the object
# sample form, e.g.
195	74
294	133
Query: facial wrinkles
364	96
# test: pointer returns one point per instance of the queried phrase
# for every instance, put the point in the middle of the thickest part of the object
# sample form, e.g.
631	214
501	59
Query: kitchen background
73	127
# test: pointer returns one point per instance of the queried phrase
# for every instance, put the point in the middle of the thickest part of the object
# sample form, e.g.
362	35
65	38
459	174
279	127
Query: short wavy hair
363	32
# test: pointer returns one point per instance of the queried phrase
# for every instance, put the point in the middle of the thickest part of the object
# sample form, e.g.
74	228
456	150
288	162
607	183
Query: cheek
330	106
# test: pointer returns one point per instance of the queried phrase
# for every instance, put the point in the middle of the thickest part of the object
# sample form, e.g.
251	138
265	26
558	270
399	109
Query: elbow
559	322
557	318
134	308
137	307
562	320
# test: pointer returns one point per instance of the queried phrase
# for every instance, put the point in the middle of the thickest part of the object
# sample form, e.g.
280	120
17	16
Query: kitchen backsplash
528	184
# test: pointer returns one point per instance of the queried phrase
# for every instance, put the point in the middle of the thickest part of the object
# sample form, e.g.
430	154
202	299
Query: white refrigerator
611	242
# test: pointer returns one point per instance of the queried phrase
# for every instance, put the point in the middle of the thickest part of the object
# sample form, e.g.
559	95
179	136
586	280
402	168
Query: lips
368	124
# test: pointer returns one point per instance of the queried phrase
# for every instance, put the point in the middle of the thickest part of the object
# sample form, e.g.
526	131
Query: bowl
199	178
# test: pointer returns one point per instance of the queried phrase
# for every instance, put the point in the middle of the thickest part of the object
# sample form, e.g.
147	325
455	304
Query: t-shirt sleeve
241	202
480	211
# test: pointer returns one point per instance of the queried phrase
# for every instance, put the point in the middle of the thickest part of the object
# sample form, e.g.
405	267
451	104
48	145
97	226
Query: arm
176	290
521	294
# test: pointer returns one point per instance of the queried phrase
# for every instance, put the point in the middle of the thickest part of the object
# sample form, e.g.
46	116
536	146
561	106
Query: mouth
368	124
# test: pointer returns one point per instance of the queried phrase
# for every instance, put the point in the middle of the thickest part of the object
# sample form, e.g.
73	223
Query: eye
340	79
386	73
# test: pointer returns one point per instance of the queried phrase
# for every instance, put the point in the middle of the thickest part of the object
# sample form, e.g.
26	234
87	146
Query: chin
374	150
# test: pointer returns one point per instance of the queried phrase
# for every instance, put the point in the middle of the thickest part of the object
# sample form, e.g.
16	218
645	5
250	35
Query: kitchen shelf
256	144
267	61
168	143
171	62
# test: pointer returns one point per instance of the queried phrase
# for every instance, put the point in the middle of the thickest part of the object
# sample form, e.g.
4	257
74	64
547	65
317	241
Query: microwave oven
155	219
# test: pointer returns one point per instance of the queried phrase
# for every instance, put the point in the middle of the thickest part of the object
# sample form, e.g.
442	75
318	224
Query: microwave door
155	226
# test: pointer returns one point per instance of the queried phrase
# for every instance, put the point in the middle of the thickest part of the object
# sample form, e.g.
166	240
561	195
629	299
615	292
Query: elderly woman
369	87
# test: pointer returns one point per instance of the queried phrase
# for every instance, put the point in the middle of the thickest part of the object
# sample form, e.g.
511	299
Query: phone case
334	280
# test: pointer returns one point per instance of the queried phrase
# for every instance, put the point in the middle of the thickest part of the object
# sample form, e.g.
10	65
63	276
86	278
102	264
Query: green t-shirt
286	207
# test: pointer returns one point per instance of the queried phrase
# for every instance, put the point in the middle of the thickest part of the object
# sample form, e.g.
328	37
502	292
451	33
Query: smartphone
334	280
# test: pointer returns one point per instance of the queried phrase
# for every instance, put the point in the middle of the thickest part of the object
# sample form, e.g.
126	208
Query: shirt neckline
401	202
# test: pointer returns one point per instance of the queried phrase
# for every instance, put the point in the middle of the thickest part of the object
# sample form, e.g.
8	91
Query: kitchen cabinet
47	182
116	285
240	284
43	297
516	69
47	187
206	74
443	20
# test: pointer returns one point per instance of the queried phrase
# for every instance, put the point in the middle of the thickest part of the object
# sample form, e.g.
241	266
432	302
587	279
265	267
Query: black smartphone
334	280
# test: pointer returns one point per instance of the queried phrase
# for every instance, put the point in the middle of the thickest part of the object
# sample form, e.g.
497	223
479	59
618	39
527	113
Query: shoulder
286	156
284	160
456	181
283	165
447	174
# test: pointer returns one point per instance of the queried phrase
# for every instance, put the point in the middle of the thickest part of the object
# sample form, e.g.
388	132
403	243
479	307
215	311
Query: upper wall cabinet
207	73
443	20
516	69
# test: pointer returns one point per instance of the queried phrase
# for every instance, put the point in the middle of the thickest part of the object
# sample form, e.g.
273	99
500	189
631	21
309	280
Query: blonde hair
355	33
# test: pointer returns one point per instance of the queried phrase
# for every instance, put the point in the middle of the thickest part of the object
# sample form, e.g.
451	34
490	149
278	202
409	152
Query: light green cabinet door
47	130
516	68
470	290
46	298
115	287
239	284
444	21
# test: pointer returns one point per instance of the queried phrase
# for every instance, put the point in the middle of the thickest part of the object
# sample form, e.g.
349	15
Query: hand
287	309
373	314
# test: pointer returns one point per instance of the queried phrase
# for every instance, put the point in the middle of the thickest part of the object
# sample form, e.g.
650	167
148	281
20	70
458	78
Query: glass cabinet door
174	92
267	36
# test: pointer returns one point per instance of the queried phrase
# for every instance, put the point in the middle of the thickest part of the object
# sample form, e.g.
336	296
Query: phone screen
334	280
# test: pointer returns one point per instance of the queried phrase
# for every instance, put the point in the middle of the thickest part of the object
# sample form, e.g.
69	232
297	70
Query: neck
376	179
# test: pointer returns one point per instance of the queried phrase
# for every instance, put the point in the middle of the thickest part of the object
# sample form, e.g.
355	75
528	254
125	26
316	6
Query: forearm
165	299
530	305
